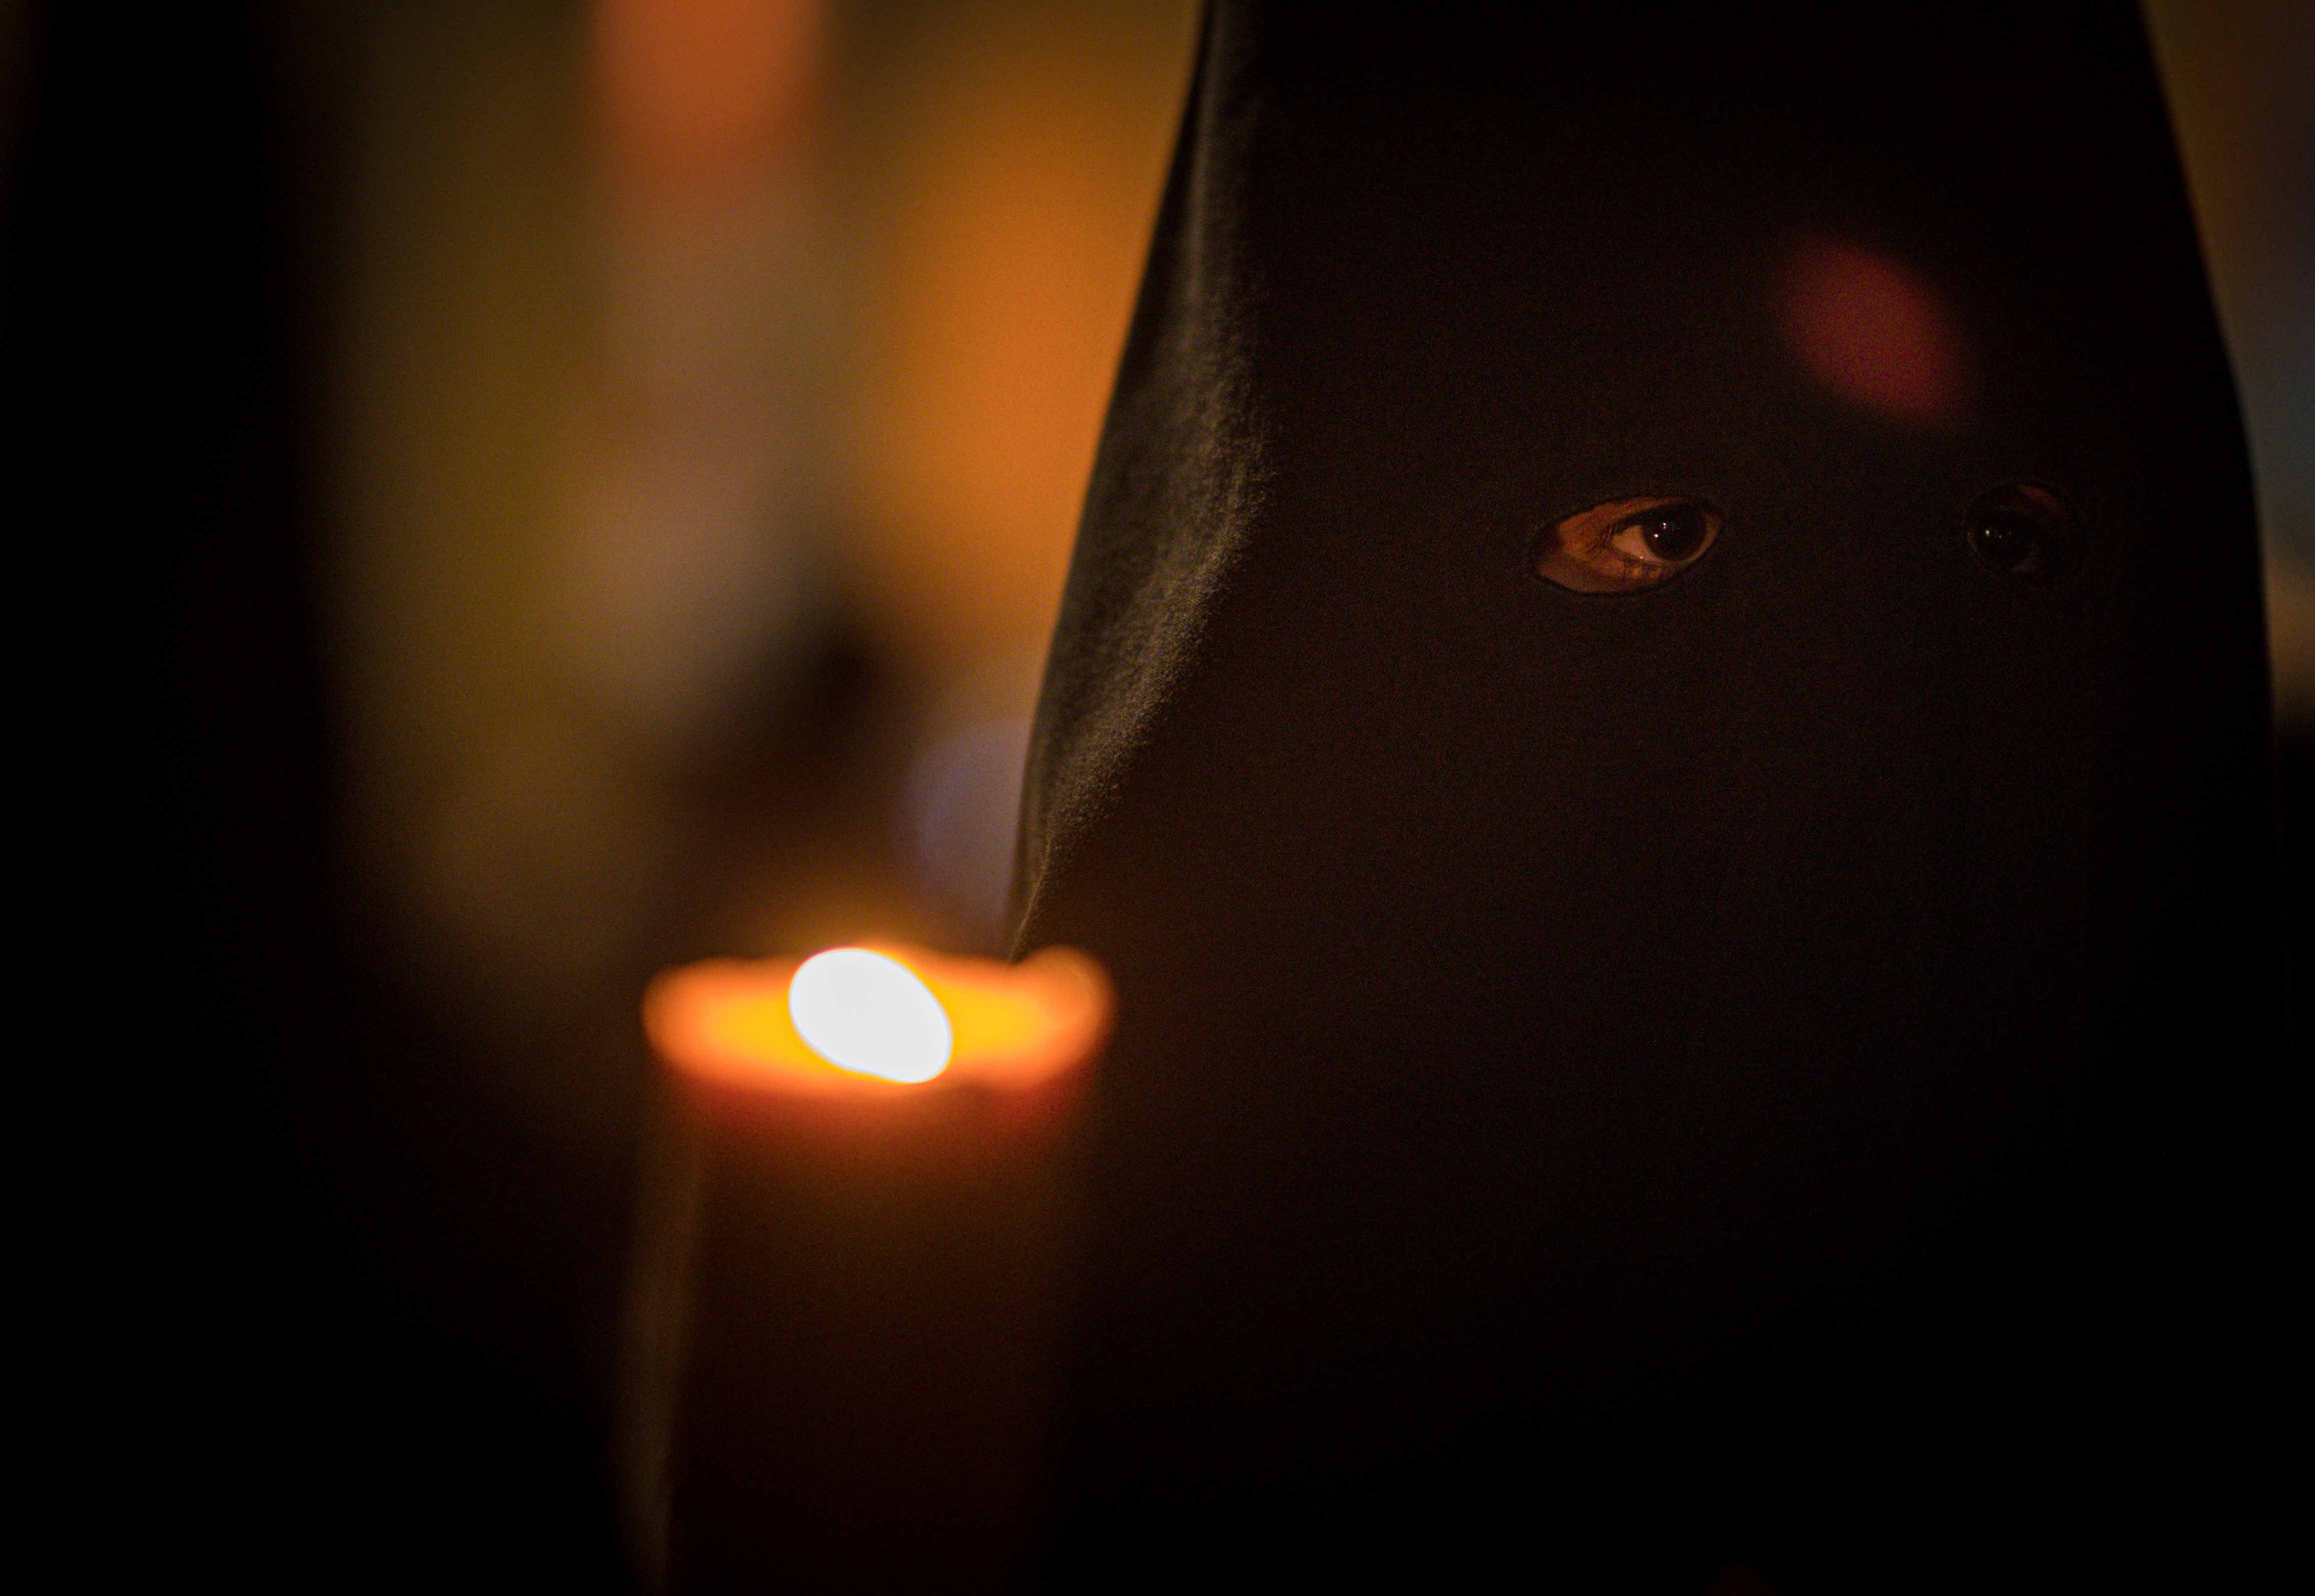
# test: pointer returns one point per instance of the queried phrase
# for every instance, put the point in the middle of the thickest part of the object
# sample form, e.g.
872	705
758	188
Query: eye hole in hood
1627	545
2025	534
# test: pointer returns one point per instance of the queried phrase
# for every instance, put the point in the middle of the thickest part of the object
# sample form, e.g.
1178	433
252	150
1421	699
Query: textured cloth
1752	1069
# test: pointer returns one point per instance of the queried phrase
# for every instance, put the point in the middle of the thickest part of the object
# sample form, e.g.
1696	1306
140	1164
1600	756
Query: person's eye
2025	533
1627	545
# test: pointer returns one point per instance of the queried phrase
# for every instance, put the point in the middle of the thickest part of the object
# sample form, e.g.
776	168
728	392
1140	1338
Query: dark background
367	363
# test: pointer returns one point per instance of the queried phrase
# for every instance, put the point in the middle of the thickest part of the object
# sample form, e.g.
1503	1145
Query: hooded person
1660	717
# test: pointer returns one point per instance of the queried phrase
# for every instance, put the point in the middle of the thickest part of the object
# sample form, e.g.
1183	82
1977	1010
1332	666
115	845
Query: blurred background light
692	93
963	796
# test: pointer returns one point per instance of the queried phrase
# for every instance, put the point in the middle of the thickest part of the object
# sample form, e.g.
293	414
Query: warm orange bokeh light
1014	231
692	90
1016	1027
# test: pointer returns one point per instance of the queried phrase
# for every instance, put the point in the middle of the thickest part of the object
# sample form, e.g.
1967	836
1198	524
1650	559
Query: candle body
844	1327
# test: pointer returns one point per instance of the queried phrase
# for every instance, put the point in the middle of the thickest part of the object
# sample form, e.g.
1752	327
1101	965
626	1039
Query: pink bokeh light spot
1874	332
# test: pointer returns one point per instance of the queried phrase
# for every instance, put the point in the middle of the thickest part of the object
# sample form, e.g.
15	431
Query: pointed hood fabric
1718	1071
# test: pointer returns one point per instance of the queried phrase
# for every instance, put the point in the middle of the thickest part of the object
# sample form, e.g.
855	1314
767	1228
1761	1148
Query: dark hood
1703	1047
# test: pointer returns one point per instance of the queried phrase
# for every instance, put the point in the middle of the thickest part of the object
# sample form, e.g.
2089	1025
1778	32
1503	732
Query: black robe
1769	1068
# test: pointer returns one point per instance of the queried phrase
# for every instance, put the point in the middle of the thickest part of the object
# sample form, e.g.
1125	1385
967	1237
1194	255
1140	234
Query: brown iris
1627	545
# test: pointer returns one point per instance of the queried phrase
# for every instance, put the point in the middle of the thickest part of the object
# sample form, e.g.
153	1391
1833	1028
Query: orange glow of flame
1015	1027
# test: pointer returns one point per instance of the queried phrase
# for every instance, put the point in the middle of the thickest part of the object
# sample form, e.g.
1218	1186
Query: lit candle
846	1307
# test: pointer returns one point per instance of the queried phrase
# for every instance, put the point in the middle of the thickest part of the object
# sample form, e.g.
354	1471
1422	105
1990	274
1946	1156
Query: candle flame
1010	1027
867	1012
